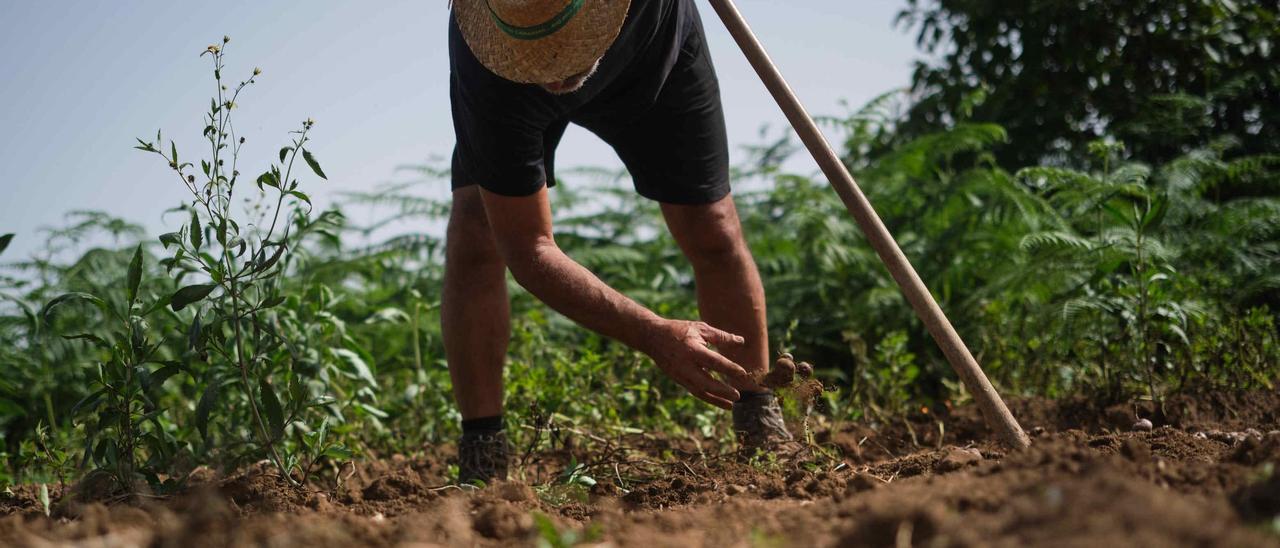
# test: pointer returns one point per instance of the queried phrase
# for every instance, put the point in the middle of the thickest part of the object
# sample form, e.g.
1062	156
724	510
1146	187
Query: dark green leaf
268	178
271	261
96	340
135	275
271	406
163	374
197	234
190	294
311	161
4	242
170	238
161	302
87	402
207	401
44	313
284	152
272	302
1155	215
195	335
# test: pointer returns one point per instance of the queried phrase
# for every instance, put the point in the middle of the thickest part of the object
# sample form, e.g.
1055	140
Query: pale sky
81	79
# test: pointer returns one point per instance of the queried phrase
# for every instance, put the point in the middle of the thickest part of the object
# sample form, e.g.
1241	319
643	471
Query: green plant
238	263
126	435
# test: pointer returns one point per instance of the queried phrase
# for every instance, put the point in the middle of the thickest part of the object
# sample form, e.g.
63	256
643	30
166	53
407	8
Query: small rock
958	458
1200	436
378	518
735	490
1037	431
1143	425
863	482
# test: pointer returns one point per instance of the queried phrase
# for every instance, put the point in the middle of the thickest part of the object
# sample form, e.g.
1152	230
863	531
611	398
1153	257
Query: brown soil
1203	475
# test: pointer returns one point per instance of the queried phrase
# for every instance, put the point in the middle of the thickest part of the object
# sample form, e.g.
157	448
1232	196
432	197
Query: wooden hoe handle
993	408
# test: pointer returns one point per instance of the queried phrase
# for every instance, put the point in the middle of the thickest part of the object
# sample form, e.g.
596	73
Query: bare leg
475	313
730	295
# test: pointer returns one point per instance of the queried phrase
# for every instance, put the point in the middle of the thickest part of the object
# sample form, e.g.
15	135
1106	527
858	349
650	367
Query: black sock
482	425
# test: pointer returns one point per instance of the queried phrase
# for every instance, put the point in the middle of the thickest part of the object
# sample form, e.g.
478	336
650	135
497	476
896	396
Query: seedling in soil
573	485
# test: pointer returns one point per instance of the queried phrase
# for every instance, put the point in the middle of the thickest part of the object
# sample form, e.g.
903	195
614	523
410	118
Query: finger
710	359
698	390
715	400
720	338
704	382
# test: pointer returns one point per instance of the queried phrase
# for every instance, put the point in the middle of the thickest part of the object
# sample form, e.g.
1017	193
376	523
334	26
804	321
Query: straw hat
539	41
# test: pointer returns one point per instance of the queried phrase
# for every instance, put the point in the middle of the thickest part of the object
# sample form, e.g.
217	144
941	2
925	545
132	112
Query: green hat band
541	30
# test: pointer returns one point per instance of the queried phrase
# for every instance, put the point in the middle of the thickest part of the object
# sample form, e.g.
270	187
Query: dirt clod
781	375
1143	425
863	482
503	521
1136	450
958	458
804	370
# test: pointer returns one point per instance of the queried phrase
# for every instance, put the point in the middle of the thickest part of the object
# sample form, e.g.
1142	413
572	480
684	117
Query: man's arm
522	229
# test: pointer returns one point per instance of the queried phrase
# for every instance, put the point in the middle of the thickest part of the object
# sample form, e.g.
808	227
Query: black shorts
674	146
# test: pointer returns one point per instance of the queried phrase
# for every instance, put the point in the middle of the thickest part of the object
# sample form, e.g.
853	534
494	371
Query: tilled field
1204	475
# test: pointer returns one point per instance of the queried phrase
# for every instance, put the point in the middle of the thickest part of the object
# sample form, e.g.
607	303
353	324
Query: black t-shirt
506	131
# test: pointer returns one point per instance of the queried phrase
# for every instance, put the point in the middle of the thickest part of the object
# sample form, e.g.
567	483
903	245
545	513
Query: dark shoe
757	419
483	457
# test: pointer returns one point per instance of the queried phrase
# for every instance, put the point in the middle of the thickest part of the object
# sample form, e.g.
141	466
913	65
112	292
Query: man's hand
522	231
680	349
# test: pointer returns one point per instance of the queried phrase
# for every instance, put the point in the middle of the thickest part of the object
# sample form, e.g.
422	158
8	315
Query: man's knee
468	240
711	232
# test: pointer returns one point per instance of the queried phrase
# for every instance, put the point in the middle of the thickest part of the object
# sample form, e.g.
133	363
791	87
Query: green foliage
264	330
261	372
124	430
1164	76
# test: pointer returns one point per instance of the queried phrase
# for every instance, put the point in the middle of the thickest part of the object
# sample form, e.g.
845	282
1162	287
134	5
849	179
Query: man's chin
570	85
561	88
